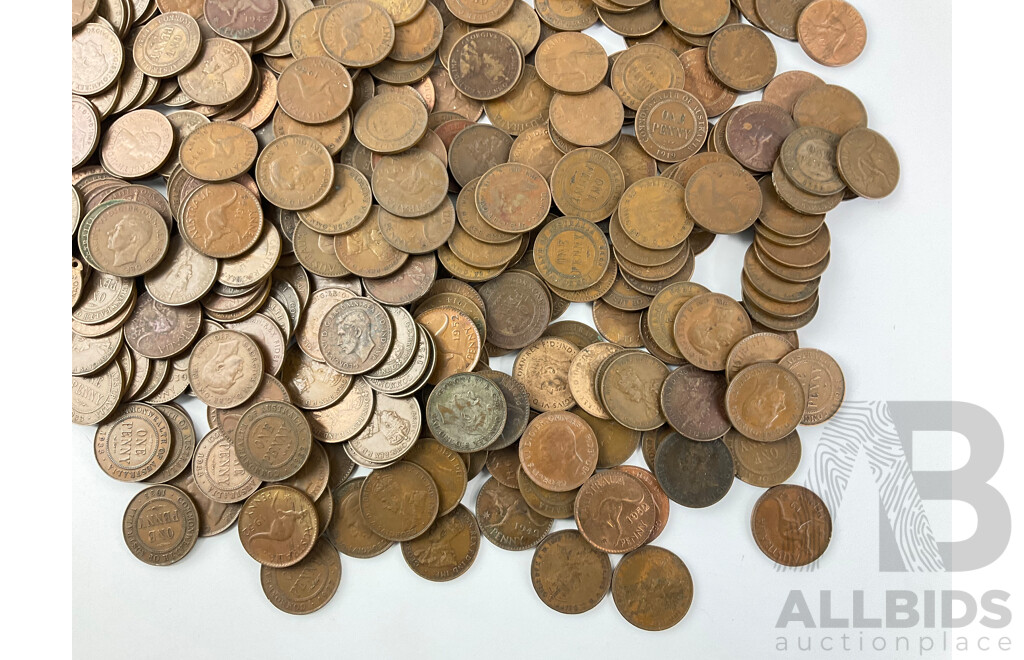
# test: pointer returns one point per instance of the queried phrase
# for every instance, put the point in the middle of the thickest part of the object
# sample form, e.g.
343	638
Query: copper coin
558	451
167	45
742	57
781	218
314	90
765	402
791	525
94	397
418	235
295	172
160	525
97	59
136	144
220	74
476	149
346	205
272	440
348	531
615	512
512	198
445	467
787	87
534	147
755	133
456	338
808	157
582	371
831	107
364	252
357	33
332	134
568	574
707	327
652	588
630	387
651	213
799	200
615	443
156	330
219	151
214	517
868	163
506	520
781	17
694	402
312	478
447	549
504	464
523	107
134	444
410	184
485	64
306	586
399	502
644	69
671	125
831	32
758	347
466	412
571	62
225	369
278	526
590	119
123	238
548	503
355	335
723	198
85	130
183	444
661	501
571	253
822	381
390	123
479	13
345	418
221	220
618	326
587	183
543	367
662	313
763	464
694	474
517	403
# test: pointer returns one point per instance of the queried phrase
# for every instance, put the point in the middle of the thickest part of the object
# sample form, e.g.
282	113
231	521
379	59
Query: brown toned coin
85	130
133	444
715	97
517	403
571	62
758	347
446	469
399	502
808	158
332	134
458	342
630	386
692	473
535	148
663	310
644	69
571	253
90	354
618	326
791	525
345	418
671	124
348	531
184	276
136	144
272	440
278	526
582	372
651	213
548	503
307	334
503	464
830	107
779	217
615	443
765	402
694	403
512	198
230	19
523	107
506	520
831	32
217	472
781	17
160	525
390	123
410	184
225	369
787	87
558	451
220	74
156	330
755	132
312	478
221	220
466	412
543	368
314	90
476	149
591	119
652	588
295	172
305	586
364	252
447	549
214	517
123	238
418	235
615	512
723	198
355	335
183	444
568	574
868	163
357	33
822	381
763	464
316	252
661	501
587	183
219	151
346	205
485	64
94	397
799	200
707	327
742	57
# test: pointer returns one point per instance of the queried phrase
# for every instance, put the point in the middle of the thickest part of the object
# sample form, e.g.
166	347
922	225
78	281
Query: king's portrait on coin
353	329
220	373
127	238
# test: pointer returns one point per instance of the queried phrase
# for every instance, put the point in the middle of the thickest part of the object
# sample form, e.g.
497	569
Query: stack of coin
298	215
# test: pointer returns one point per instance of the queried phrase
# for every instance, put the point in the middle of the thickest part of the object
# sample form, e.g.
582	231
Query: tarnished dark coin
615	512
517	406
476	149
399	502
160	525
548	503
447	549
504	464
466	412
568	574
763	464
652	588
518	309
694	403
791	525
156	330
306	586
615	443
348	531
808	157
506	520
694	474
485	64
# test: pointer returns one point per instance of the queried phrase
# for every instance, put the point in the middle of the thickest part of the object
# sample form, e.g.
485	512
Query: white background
891	313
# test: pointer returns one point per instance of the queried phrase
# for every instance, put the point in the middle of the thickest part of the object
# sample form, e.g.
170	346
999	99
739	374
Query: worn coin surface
485	64
723	198
272	440
219	151
763	464
314	90
160	525
568	574
506	520
123	238
543	368
220	74
707	327
651	213
742	57
447	549
295	172
822	381
652	588
791	525
582	372
466	412
587	183
156	330
355	335
694	474
558	451
695	404
868	163
571	62
615	512
831	32
671	125
278	526
512	197
133	444
399	502
765	402
306	586
571	253
97	59
225	369
630	385
832	108
347	530
457	341
357	33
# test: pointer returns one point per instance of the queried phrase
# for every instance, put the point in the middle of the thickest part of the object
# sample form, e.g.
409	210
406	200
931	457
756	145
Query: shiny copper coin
652	588
278	526
558	451
221	220
791	525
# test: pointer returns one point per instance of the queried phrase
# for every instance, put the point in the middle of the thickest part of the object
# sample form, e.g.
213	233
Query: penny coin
457	341
587	183
694	474
543	368
214	517
713	96
651	213
534	147
662	313
345	418
225	369
781	218
278	526
219	151
742	57
764	464
403	347
183	276
582	372
707	327
104	297
221	220
85	131
390	123
571	253
566	14
831	107
548	503
312	478
615	512
160	525
136	144
295	172
485	64
156	330
348	531
783	509
503	464
615	442
630	387
306	586
355	335
644	69
399	502
799	200
183	444
781	17
568	574
479	13
357	33
123	238
82	12
571	62
671	125
346	205
618	326
523	107
651	440
822	381
410	184
97	59
512	198
314	90
758	347
652	588
220	74
446	469
217	472
133	444
332	134
694	402
695	17
470	220
466	412
723	198
506	520
808	158
447	549
316	252
867	163
418	235
364	252
787	87
90	354
308	332
661	501
765	402
391	432
167	45
228	20
558	451
831	32
272	440
755	133
94	397
590	119
476	149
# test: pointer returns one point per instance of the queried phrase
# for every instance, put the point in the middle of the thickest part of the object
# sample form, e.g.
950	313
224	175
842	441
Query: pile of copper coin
296	213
